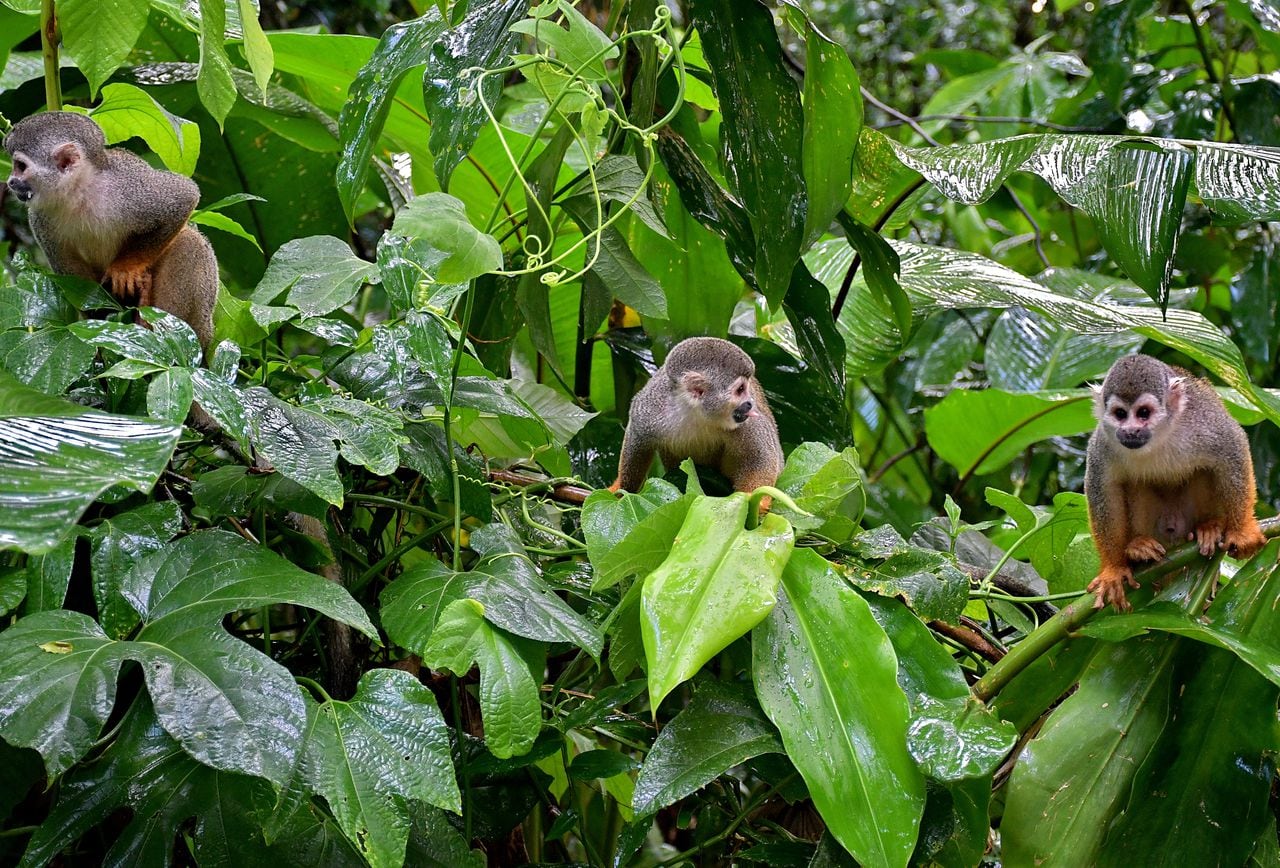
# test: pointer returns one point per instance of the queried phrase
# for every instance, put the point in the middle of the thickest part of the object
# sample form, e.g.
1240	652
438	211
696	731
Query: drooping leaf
716	584
320	273
215	82
845	734
100	35
441	220
127	111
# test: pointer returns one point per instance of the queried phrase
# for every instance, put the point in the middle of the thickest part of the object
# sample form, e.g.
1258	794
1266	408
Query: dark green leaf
320	273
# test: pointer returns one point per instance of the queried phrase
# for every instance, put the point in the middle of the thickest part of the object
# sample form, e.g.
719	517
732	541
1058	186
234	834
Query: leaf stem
49	40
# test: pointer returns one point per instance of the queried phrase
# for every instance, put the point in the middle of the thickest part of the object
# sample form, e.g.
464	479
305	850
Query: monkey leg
1144	548
1109	587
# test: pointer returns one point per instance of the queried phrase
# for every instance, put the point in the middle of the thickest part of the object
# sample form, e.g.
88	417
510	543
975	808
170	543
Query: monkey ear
694	383
1176	393
1095	389
66	155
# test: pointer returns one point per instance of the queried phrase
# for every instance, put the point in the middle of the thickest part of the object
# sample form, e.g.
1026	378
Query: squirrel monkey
704	403
1166	463
105	215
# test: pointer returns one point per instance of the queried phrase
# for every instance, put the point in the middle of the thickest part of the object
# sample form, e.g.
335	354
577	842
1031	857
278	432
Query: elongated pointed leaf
763	131
716	584
368	757
825	673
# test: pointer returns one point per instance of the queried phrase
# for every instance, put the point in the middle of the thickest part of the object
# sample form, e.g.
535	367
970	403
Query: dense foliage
383	614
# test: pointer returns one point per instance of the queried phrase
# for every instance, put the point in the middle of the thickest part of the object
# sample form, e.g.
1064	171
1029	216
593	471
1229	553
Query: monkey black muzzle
743	412
21	189
1135	439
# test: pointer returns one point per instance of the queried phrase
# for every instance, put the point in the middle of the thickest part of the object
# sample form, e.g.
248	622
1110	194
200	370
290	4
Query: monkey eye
741	390
1144	413
1120	413
19	165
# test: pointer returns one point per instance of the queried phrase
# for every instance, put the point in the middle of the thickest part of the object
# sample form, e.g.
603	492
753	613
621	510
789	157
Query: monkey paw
1208	535
1245	542
616	488
1143	548
130	285
1109	588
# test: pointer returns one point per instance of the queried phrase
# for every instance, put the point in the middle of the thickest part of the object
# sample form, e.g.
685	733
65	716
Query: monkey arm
1233	492
639	446
1109	523
157	210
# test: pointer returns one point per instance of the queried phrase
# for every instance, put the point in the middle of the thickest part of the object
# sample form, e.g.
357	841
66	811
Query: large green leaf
99	34
320	273
716	584
116	544
57	457
370	756
509	702
1077	774
148	773
608	518
230	706
721	727
127	111
762	130
978	432
825	673
1200	792
483	39
441	220
938	278
403	47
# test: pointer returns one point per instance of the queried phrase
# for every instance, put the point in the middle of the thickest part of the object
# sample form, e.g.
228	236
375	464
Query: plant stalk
49	40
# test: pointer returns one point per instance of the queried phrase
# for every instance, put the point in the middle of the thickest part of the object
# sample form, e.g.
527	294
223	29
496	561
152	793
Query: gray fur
665	420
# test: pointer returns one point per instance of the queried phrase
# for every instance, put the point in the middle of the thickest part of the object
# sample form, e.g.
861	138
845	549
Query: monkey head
1138	400
713	377
48	149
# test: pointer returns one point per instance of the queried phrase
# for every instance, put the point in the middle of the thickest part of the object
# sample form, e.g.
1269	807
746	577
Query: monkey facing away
106	215
704	403
1166	463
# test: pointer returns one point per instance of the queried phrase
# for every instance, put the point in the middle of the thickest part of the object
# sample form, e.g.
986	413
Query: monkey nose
744	411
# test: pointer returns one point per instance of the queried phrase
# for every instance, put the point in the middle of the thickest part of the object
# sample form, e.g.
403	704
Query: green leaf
832	122
297	443
618	178
162	787
721	727
978	432
127	111
1198	793
99	34
846	734
611	260
49	577
441	220
257	49
580	45
48	359
320	273
214	82
644	546
370	97
827	484
880	267
115	544
169	341
370	756
762	131
452	90
56	458
608	518
1058	808
509	701
958	738
928	581
716	584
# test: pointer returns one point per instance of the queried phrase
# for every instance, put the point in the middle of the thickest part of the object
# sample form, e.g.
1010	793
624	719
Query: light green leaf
979	432
127	111
257	50
99	34
214	81
441	220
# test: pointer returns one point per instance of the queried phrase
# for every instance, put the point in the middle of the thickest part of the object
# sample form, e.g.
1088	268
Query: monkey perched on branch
704	403
105	215
1165	464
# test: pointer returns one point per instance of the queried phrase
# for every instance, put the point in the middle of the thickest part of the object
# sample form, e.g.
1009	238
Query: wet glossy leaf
928	581
320	273
618	178
57	457
1197	794
405	265
846	733
958	739
827	484
608	518
299	444
978	432
579	44
1060	805
762	131
509	701
368	757
832	122
721	727
718	582
441	220
617	267
451	89
148	773
116	544
644	547
50	359
937	278
403	47
48	577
